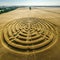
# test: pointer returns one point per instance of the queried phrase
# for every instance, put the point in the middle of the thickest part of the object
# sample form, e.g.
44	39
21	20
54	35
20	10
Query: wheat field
48	14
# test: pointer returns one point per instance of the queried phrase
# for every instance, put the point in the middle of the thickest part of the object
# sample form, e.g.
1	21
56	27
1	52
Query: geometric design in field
29	35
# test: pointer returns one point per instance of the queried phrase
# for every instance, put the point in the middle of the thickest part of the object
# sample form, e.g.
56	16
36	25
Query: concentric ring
29	35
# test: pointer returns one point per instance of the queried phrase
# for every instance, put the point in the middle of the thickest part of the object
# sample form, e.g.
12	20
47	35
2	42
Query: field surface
49	14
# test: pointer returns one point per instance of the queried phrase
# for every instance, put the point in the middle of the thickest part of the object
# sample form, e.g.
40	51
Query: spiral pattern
29	35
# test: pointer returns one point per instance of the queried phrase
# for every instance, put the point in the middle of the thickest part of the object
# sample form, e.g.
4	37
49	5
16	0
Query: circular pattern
29	35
